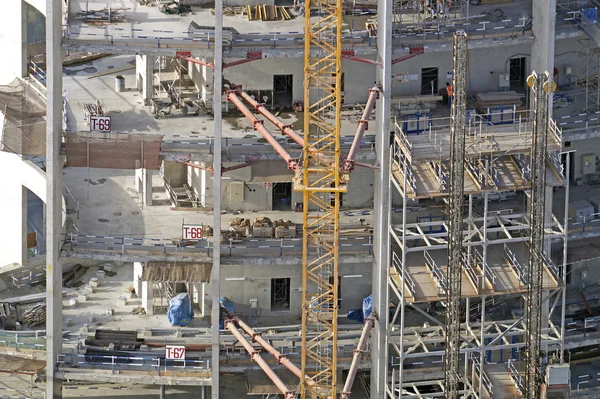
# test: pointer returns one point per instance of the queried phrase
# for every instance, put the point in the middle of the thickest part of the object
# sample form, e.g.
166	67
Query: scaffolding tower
455	214
495	258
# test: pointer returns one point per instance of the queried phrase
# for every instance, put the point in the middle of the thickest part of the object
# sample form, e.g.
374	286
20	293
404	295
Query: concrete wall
36	25
13	197
582	147
13	40
591	267
258	285
176	173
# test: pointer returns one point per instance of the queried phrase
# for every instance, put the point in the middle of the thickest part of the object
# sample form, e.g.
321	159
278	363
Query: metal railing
246	247
484	377
437	273
37	73
145	364
408	280
515	265
515	375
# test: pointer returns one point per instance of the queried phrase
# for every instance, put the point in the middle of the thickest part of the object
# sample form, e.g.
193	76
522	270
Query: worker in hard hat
449	91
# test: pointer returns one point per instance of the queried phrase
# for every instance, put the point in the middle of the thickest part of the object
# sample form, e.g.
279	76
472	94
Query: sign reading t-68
191	232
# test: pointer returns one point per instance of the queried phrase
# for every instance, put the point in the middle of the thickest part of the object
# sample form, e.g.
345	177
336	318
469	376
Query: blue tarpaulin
356	315
591	13
367	306
180	311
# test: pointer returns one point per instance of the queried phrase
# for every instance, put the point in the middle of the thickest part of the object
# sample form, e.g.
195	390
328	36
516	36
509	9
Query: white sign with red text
100	124
191	232
175	352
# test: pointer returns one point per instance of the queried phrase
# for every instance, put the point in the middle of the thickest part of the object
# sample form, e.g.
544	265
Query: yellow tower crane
321	181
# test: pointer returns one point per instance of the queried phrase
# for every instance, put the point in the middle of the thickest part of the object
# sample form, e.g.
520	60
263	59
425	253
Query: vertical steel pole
564	265
218	126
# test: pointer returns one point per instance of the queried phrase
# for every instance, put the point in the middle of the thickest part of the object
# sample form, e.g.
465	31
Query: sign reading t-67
191	232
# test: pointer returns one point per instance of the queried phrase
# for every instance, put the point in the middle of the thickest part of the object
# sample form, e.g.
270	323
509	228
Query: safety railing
515	265
516	376
584	222
144	364
246	247
28	277
436	273
472	273
487	383
75	202
37	73
552	267
23	340
441	175
554	158
408	280
523	161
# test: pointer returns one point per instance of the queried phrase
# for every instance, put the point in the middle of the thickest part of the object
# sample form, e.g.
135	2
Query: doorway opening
429	81
282	197
517	73
280	294
283	90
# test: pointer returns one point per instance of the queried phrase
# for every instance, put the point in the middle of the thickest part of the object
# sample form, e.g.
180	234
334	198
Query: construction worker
449	91
447	8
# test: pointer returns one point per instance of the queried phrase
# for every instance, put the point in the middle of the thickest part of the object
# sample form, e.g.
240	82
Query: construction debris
101	16
138	310
91	109
228	236
174	8
35	316
72	277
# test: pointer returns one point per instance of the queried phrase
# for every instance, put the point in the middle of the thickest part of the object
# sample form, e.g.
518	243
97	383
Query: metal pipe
260	108
369	324
363	124
281	358
255	356
258	125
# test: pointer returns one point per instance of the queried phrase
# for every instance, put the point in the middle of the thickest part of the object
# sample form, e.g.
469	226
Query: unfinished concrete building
280	199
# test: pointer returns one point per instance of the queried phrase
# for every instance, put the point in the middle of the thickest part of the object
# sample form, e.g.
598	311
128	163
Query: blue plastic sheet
356	315
367	306
591	13
228	304
180	311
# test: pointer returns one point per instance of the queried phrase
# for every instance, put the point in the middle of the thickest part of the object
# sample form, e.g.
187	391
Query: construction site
300	199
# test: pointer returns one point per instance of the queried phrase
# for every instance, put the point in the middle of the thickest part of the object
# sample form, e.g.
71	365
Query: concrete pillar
144	73
381	244
148	297
202	299
542	51
53	195
13	40
163	395
143	185
137	278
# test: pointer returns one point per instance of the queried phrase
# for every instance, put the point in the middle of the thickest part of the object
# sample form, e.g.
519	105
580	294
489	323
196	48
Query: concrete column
148	297
163	395
13	40
215	279
542	51
137	278
202	300
143	185
53	195
144	73
379	351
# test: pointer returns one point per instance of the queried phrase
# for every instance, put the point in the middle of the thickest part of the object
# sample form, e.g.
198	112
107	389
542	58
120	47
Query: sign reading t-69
191	232
100	124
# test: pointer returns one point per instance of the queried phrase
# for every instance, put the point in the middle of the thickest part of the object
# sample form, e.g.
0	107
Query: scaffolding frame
505	231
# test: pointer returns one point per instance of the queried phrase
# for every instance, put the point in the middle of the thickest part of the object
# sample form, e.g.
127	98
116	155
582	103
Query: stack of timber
266	12
70	278
240	225
495	99
284	229
35	316
229	236
262	228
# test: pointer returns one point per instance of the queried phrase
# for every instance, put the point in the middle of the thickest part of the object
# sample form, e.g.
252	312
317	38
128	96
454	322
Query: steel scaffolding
494	264
455	214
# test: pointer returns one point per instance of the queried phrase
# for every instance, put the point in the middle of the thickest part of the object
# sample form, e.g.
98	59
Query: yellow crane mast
321	181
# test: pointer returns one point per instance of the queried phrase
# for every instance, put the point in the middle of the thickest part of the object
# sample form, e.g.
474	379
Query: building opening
282	197
339	290
283	90
517	74
429	81
280	294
